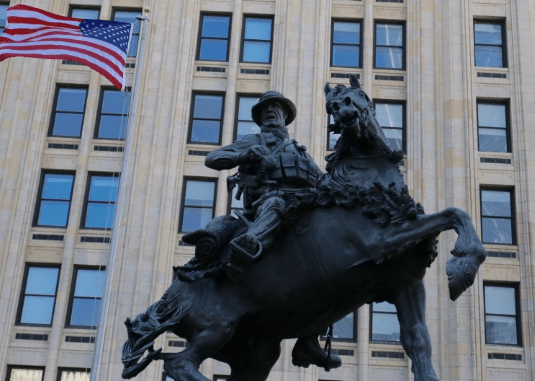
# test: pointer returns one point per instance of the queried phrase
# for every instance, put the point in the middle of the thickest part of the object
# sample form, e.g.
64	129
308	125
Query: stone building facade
454	85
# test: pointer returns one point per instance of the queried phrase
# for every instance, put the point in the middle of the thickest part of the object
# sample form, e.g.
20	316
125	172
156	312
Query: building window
24	373
384	322
502	315
3	17
198	204
130	17
112	114
389	46
490	44
391	117
346	328
206	119
86	294
493	127
244	118
55	200
233	204
214	38
332	137
38	295
257	37
101	197
73	375
497	212
68	113
345	44
85	13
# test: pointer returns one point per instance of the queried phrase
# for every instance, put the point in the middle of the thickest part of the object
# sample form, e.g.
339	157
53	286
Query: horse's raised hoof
461	274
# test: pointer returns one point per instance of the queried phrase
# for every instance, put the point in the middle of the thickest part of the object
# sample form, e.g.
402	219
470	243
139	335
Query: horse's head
354	118
350	107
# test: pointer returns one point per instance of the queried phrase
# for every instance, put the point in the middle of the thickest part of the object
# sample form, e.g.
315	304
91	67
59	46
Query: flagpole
104	307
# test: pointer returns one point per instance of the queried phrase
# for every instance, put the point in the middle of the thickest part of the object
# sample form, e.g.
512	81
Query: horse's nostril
336	107
347	101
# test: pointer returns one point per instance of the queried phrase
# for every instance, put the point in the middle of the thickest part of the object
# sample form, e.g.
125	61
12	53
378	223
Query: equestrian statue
308	249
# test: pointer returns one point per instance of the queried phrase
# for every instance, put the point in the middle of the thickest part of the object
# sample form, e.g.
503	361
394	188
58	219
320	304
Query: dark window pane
103	188
389	57
215	50
491	115
492	140
245	107
67	125
344	55
256	51
346	33
37	310
258	29
3	16
215	26
199	193
333	138
497	230
57	187
205	131
490	34
53	213
85	312
496	203
389	34
389	115
344	329
116	102
236	204
42	281
132	48
247	128
208	106
100	215
80	13
112	127
71	99
500	300
385	327
195	218
394	138
501	330
489	56
90	283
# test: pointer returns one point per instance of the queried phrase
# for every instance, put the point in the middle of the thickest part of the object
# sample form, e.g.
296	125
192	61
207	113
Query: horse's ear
327	88
354	81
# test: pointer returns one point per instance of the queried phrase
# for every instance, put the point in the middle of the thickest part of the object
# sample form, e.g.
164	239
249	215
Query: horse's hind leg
410	305
265	354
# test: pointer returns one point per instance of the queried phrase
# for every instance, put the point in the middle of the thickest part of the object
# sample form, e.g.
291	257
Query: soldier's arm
232	155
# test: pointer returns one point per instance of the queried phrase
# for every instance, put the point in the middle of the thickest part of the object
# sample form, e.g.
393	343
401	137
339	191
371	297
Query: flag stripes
35	33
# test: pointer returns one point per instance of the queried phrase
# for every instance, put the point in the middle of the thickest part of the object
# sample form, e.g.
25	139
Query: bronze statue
356	237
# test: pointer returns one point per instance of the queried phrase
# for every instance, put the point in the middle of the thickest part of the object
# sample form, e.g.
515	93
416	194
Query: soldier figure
267	161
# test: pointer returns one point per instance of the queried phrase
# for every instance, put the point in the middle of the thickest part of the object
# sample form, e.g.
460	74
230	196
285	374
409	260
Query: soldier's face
273	115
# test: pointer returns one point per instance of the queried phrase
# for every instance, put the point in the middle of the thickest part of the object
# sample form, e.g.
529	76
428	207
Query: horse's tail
146	327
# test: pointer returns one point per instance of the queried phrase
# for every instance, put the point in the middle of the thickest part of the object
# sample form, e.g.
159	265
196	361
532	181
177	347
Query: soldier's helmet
273	96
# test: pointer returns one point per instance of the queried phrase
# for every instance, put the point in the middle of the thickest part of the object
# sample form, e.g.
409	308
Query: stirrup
242	257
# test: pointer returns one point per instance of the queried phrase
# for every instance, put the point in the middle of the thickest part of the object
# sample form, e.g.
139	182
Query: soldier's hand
254	153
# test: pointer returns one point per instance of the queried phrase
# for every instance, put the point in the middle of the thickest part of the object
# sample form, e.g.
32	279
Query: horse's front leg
410	305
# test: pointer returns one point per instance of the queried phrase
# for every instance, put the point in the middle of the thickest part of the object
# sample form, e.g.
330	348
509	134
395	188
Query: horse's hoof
461	274
304	360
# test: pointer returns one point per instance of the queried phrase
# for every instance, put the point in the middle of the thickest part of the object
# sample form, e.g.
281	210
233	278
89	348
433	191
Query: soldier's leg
247	247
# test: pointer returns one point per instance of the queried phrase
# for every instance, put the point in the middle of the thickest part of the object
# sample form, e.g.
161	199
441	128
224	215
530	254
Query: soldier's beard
280	133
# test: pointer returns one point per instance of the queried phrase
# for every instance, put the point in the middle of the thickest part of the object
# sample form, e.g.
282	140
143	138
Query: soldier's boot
245	249
307	351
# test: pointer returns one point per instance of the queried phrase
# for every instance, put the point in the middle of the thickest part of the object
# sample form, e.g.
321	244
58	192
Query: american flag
99	44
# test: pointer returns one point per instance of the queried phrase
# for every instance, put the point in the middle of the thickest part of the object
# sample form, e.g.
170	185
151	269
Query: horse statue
357	238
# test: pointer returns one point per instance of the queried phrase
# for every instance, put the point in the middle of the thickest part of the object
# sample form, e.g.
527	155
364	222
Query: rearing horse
356	238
